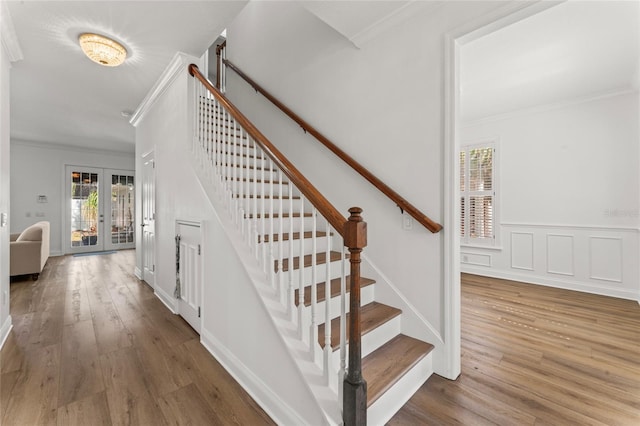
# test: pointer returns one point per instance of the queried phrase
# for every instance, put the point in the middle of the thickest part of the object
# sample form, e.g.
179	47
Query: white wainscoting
583	258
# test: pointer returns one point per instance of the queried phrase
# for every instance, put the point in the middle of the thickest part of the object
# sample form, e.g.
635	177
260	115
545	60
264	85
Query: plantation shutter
477	194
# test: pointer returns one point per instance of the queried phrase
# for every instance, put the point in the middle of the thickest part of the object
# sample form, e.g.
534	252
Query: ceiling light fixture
102	50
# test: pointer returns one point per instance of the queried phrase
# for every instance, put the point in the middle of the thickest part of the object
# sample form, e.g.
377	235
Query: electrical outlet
407	222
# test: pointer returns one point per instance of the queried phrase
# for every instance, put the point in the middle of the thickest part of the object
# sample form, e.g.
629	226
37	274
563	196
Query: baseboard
277	409
168	301
4	331
549	282
138	273
56	253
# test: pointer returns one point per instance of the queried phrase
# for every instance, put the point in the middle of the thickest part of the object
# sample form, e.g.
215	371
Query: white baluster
281	243
271	257
328	351
313	340
255	198
292	293
236	172
301	274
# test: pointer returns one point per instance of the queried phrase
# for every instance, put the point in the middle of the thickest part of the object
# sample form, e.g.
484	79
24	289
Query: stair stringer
266	394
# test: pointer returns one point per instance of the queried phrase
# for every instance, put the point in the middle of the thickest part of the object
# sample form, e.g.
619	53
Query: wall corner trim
178	64
4	331
9	37
168	301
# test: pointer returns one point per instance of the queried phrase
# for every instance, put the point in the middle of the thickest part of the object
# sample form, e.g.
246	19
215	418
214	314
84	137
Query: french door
100	209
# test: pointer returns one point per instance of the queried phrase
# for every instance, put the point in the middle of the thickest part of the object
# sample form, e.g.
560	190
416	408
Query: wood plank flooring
534	355
92	345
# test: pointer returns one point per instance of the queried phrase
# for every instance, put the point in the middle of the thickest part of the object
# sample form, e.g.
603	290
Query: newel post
219	49
354	411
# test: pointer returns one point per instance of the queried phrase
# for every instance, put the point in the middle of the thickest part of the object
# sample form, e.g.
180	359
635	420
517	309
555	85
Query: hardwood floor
92	345
534	355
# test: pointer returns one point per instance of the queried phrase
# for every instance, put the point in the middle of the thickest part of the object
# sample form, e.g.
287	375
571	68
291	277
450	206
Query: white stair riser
374	339
233	158
321	246
228	171
392	400
252	188
367	295
298	223
248	206
321	273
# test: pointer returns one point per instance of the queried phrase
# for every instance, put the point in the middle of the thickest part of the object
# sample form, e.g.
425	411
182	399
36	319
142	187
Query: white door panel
148	219
189	272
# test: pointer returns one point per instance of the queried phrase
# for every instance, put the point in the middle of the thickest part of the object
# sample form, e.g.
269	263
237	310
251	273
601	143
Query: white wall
569	207
236	327
39	169
5	319
382	103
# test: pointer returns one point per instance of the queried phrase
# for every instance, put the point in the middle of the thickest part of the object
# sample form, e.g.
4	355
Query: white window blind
477	194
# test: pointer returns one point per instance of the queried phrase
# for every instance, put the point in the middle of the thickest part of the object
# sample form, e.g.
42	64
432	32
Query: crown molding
393	19
551	106
68	147
8	34
178	64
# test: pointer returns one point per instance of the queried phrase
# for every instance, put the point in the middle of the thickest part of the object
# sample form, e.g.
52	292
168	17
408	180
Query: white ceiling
574	50
60	96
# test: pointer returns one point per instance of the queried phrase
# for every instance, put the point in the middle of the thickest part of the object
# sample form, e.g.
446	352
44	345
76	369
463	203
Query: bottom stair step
386	365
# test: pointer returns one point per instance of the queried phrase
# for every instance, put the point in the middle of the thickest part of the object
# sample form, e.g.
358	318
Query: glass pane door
121	218
84	211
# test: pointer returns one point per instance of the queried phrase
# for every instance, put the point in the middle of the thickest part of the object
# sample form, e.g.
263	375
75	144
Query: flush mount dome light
102	50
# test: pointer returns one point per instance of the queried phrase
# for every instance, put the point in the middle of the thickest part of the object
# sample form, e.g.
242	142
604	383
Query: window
477	194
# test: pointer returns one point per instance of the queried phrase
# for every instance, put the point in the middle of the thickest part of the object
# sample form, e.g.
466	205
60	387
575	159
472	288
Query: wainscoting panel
592	259
605	258
560	254
475	259
522	250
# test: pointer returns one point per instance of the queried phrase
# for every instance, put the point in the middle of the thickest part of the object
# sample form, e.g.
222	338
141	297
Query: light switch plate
3	220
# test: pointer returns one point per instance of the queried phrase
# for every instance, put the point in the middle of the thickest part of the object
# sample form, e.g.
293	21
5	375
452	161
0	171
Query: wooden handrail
402	203
326	209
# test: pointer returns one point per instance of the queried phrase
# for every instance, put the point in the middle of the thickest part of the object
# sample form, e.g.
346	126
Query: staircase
305	264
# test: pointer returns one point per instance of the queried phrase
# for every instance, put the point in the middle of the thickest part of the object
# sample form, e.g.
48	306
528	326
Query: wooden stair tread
372	316
296	236
321	259
260	182
268	197
250	166
386	365
335	289
276	215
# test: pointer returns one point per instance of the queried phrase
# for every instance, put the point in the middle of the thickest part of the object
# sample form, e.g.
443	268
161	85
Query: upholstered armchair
30	250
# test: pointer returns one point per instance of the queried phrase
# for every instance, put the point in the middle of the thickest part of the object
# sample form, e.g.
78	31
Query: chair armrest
14	237
24	257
